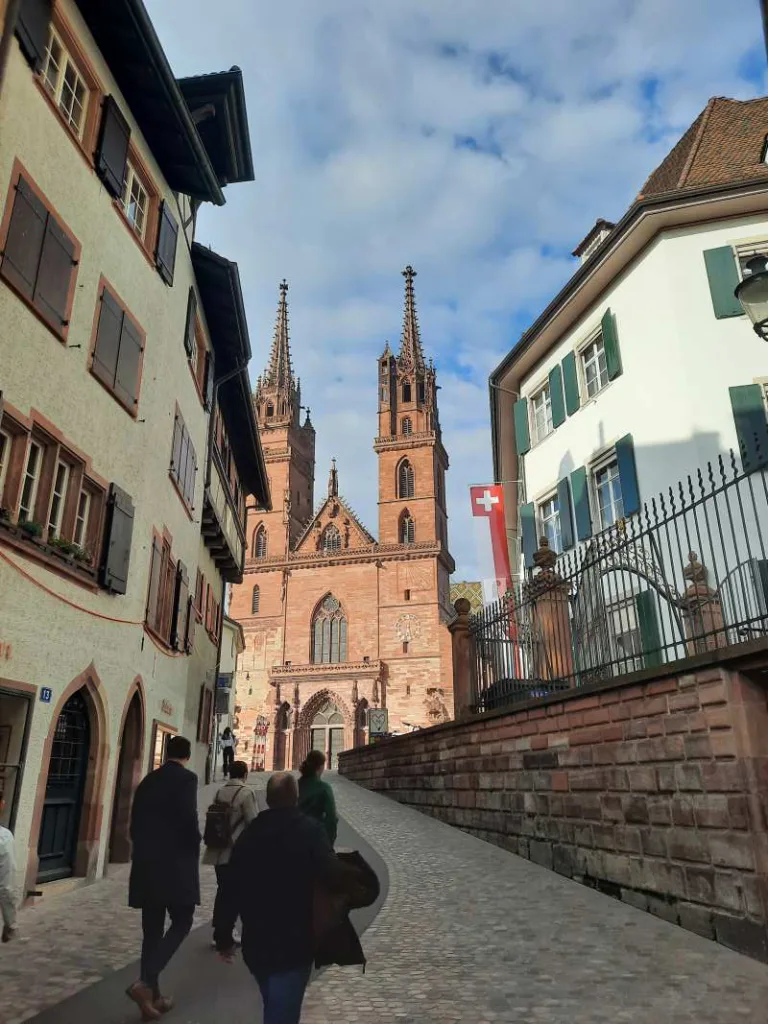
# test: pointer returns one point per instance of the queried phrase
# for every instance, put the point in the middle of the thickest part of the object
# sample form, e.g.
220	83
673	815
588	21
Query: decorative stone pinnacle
411	354
545	558
695	571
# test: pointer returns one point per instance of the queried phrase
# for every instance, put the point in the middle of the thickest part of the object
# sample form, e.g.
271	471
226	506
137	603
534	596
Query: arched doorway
326	733
64	790
128	774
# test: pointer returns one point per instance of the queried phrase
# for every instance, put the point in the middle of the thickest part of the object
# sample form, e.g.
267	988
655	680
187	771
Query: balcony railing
222	530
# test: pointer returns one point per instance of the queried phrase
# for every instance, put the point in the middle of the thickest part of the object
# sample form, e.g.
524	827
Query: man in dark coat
165	873
278	938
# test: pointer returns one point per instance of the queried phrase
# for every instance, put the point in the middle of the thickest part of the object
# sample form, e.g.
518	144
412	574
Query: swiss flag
488	503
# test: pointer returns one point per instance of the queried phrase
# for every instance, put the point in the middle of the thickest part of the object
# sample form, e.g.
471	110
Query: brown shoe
141	994
163	1003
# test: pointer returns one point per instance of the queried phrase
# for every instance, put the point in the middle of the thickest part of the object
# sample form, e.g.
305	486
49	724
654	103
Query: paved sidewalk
471	933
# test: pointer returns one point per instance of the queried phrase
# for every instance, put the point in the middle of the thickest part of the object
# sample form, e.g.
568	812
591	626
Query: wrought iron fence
688	573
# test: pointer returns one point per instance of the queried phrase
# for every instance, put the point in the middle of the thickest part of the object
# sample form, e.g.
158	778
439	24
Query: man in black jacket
278	939
165	873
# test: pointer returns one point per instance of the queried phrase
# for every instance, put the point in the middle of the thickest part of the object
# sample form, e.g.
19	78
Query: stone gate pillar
547	593
702	610
463	697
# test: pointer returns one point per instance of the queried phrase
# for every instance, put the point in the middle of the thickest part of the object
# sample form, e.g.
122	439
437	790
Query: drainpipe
9	27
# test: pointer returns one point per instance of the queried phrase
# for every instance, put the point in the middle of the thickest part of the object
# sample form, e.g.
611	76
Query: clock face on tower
408	627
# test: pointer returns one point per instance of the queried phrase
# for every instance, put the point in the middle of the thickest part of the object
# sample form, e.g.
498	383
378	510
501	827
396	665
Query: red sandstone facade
336	623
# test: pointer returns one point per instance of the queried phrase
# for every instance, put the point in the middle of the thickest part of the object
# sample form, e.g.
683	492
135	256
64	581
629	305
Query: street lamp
752	293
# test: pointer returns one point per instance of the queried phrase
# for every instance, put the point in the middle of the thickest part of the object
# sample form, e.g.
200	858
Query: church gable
334	527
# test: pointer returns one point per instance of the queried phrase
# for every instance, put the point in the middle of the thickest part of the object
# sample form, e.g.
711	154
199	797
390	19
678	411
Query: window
405	480
260	543
81	518
135	201
541	414
625	633
594	366
610	506
406	391
5	458
199	593
255	595
30	482
66	85
549	523
407	529
407	425
58	498
168	607
39	255
270	410
407	595
420	392
329	633
118	351
331	539
183	467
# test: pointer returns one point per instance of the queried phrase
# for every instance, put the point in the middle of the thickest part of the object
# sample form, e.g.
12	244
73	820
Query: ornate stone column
463	696
547	594
702	610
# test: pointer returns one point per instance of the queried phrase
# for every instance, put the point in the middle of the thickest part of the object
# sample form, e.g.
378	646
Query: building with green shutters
643	368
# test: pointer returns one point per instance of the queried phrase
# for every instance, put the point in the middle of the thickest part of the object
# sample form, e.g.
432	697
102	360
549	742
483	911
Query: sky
477	140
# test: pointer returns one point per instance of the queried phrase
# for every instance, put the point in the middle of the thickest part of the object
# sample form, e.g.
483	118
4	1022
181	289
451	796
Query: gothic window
255	601
407	528
270	409
329	633
406	391
407	425
420	392
405	480
260	543
331	539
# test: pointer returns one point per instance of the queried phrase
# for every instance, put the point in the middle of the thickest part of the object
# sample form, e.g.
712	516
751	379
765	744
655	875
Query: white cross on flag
488	504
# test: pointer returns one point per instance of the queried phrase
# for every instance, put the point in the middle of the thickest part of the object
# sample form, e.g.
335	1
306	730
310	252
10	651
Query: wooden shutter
630	492
611	345
119	534
582	514
528	533
178	432
522	429
57	264
723	277
189	330
571	382
209	375
566	518
24	242
32	30
556	399
648	624
165	251
189	643
748	407
129	364
107	347
190	475
153	591
180	608
112	149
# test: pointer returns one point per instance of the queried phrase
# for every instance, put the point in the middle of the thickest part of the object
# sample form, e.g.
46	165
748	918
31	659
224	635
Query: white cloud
476	139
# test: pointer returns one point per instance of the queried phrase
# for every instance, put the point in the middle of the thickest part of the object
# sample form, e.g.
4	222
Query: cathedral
337	622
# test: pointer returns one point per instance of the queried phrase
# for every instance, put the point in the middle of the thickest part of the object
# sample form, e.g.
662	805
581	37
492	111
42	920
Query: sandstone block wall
654	793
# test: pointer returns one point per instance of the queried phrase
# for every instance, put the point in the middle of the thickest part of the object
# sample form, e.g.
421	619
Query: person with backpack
315	796
228	744
233	807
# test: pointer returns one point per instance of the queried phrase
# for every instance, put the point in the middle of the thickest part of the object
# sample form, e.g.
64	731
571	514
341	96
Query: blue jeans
283	994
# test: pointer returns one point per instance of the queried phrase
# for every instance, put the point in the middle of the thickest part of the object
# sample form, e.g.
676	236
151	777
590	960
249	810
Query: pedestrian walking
279	941
316	797
165	873
233	807
227	750
7	879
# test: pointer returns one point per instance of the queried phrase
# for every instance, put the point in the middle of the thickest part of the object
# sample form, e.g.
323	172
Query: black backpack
218	823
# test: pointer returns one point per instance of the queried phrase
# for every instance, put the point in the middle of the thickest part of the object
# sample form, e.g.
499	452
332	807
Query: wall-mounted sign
45	694
166	707
378	721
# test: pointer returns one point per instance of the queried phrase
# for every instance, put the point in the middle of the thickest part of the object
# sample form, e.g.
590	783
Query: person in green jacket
315	796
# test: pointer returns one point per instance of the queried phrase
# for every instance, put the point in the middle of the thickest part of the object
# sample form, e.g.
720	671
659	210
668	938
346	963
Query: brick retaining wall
654	793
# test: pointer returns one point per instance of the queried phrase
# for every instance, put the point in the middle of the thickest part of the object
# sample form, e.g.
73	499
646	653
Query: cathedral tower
412	459
289	448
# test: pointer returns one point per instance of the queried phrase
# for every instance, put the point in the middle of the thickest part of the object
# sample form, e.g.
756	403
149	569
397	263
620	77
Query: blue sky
478	140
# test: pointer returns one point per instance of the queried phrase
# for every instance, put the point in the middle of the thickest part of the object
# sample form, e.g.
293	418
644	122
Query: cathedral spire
279	373
411	354
333	481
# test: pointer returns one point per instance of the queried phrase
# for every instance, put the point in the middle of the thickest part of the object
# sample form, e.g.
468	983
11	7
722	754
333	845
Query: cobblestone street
467	933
